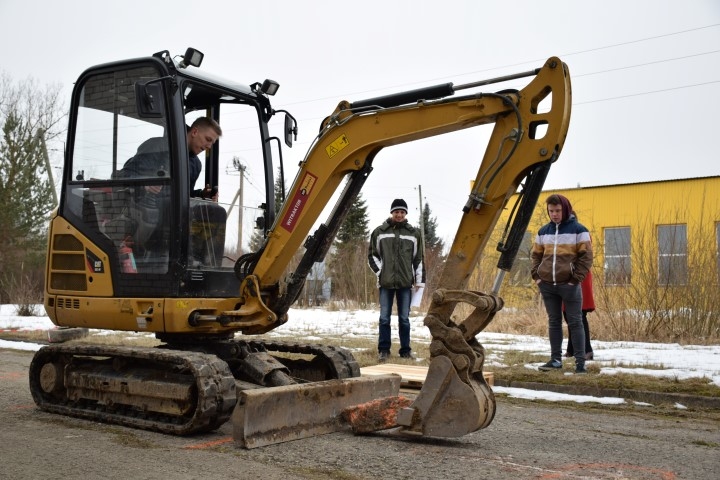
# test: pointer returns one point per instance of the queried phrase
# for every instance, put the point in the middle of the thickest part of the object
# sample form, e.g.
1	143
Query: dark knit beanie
398	204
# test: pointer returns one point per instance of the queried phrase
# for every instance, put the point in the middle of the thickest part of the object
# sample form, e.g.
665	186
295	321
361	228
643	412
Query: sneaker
407	355
580	369
383	356
551	365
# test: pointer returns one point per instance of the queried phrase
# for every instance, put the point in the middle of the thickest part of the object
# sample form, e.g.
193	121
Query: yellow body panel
70	253
127	314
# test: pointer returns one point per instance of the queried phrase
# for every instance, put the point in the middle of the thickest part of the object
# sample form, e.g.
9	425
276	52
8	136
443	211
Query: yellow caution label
337	145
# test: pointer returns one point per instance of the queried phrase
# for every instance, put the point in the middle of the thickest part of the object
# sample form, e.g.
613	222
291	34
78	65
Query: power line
642	40
646	64
513	65
646	93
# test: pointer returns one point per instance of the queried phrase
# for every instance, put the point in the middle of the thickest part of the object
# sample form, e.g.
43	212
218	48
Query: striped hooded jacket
562	253
396	255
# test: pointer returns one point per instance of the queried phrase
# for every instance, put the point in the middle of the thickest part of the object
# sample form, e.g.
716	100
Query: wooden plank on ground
413	376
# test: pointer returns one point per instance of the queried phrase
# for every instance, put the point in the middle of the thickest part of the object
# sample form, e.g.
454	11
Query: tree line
31	118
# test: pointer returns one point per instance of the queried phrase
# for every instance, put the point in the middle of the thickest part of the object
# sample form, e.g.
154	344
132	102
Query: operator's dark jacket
153	157
396	255
562	253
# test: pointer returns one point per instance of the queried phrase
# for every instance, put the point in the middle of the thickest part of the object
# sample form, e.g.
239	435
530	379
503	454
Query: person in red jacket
588	305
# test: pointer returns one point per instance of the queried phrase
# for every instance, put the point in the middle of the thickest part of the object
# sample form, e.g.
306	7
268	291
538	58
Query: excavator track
169	391
329	362
253	359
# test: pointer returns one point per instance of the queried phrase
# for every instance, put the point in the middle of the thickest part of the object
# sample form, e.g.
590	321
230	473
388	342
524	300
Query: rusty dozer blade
266	416
455	399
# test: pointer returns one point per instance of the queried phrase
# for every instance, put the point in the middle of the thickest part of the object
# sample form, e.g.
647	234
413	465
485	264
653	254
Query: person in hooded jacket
396	255
588	305
561	258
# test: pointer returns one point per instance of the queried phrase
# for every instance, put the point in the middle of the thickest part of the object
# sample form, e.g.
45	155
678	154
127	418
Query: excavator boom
530	129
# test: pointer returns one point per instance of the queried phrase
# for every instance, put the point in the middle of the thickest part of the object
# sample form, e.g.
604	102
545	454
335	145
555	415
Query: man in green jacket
396	255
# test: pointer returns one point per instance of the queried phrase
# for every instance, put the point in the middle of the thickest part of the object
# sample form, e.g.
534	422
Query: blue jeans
554	296
387	295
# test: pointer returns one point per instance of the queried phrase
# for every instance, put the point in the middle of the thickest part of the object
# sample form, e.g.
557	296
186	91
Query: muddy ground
526	440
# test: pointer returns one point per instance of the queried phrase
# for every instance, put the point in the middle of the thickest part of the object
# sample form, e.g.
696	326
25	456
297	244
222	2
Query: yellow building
650	237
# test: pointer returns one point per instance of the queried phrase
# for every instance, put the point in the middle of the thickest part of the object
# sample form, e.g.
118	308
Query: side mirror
149	99
291	129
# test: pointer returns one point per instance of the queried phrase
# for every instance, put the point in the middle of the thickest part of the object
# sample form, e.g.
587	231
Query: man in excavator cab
147	205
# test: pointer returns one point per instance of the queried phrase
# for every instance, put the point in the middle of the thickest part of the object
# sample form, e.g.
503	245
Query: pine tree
29	118
25	190
430	230
280	192
434	246
347	264
355	225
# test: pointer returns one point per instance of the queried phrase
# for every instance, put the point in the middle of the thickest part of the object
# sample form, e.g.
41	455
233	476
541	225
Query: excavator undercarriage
181	391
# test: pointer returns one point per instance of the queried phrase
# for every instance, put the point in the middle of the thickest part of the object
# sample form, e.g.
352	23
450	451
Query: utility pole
40	137
240	168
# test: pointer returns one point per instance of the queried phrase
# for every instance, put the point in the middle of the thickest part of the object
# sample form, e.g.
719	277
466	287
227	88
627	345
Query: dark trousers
586	327
554	297
387	295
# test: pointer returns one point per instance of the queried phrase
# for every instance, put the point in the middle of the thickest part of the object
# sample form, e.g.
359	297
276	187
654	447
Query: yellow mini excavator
131	248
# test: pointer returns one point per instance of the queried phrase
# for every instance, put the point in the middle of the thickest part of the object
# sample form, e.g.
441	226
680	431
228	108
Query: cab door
118	187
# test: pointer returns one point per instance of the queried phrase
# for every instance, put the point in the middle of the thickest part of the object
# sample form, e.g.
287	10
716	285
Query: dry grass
516	371
365	352
533	321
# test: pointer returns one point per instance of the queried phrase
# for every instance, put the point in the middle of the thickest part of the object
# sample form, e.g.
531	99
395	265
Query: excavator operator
152	160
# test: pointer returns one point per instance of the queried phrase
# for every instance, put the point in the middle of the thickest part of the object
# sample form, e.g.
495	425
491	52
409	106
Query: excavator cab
127	187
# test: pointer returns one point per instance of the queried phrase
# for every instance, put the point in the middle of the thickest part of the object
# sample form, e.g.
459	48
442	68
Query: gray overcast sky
645	74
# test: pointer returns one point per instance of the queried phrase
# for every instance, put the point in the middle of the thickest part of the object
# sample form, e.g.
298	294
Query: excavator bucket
266	416
448	407
455	399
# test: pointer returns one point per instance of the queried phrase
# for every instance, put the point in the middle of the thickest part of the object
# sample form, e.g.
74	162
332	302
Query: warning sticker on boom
337	145
298	202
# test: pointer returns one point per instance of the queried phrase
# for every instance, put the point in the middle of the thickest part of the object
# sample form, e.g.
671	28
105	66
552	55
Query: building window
672	254
520	272
617	256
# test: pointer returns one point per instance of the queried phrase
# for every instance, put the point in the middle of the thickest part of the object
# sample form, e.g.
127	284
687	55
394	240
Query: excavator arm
530	129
